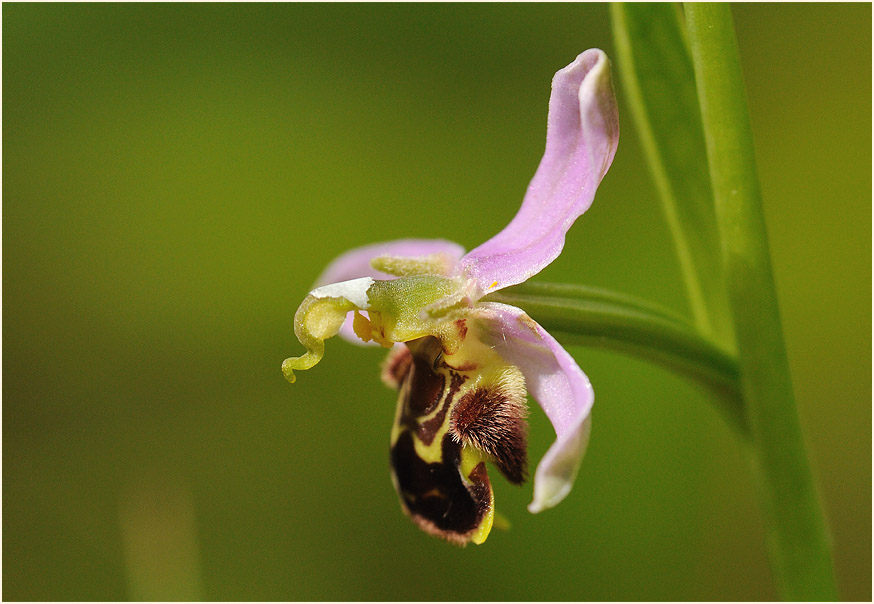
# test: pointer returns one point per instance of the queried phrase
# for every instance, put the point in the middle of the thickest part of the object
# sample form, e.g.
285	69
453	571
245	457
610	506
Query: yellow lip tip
485	527
482	533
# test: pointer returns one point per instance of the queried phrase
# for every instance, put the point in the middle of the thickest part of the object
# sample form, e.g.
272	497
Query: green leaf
595	317
655	68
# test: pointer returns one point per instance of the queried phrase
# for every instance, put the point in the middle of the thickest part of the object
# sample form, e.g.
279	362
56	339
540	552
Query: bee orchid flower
462	365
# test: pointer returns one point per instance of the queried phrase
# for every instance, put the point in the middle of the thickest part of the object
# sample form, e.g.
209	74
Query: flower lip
436	496
442	482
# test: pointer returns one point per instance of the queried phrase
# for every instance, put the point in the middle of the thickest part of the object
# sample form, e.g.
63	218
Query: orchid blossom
462	365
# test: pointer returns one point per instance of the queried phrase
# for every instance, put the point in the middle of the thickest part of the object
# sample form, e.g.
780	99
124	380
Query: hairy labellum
455	412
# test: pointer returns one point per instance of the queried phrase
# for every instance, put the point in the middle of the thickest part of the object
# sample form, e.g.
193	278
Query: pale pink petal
581	138
356	263
557	383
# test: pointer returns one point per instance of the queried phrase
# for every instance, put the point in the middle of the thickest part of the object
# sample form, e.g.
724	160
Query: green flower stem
596	317
798	540
588	293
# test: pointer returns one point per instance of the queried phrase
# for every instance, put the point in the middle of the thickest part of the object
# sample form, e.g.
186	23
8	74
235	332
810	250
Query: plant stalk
798	541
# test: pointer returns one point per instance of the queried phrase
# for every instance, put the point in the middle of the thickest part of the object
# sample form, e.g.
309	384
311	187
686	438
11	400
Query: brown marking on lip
480	487
396	366
453	336
434	496
428	429
431	382
426	387
461	325
466	366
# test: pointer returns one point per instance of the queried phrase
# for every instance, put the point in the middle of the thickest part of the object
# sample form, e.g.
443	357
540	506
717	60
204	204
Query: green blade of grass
659	85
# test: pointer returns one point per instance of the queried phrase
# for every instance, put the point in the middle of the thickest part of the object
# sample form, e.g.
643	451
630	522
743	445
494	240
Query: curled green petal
320	317
394	308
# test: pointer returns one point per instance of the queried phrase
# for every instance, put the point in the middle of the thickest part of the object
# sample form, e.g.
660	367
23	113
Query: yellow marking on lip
432	453
493	285
470	459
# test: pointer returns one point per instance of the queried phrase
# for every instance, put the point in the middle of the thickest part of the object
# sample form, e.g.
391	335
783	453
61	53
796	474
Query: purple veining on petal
556	382
356	263
581	138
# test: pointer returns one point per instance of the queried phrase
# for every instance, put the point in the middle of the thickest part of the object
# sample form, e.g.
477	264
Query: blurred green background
176	176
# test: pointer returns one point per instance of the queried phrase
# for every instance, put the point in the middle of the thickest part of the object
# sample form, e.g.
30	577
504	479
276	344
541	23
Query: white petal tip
354	290
535	507
548	493
558	469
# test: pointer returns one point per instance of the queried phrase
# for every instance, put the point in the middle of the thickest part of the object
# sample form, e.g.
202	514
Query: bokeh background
176	176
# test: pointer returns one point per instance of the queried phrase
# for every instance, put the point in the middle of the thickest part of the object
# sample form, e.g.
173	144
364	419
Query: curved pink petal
581	138
356	263
557	383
